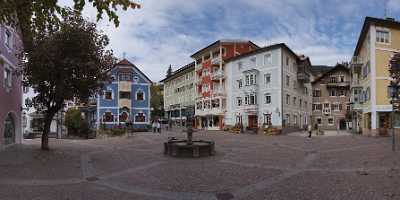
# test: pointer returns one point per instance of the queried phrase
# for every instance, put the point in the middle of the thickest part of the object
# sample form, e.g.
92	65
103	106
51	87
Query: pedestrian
158	126
154	126
309	128
167	126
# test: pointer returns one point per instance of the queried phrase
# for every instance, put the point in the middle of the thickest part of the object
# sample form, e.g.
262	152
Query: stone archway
9	129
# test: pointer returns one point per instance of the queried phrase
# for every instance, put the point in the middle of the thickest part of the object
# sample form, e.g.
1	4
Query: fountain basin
193	149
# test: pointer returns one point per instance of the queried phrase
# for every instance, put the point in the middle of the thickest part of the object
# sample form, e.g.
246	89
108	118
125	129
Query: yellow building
379	39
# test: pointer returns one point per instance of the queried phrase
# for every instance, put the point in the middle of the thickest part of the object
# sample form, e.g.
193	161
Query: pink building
10	87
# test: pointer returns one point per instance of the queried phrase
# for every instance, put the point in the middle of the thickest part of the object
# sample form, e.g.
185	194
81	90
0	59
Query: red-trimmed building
210	76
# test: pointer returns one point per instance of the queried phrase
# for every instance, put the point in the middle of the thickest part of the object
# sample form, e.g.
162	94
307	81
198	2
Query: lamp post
393	89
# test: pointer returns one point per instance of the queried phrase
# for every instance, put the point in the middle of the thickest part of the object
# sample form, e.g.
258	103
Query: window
294	100
247	79
319	121
335	107
108	117
287	80
333	79
124	95
300	102
330	121
267	79
287	119
246	100
140	117
267	59
123	117
295	119
7	76
287	99
332	93
199	105
215	103
253	99
267	98
267	119
8	39
342	92
316	93
287	61
294	84
205	72
240	83
125	76
317	107
341	79
382	36
253	79
239	101
136	79
108	95
139	95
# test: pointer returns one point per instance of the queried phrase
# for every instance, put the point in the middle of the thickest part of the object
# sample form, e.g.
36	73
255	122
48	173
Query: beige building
179	94
331	95
379	40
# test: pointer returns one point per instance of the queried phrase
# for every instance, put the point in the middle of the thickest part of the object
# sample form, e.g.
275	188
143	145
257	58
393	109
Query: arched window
140	117
108	117
139	95
124	114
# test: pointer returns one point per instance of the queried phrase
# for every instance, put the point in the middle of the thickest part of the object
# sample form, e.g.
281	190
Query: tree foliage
66	63
73	120
35	17
157	101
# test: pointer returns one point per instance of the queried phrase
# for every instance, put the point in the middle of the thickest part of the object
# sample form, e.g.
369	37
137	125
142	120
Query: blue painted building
126	98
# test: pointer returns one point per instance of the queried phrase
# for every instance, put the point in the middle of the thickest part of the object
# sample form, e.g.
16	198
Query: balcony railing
218	75
216	60
302	75
356	63
338	84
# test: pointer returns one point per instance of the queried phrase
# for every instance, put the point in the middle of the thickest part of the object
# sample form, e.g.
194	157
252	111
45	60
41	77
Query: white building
269	86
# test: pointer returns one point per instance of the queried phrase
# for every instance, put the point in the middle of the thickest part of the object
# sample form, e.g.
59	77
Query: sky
167	32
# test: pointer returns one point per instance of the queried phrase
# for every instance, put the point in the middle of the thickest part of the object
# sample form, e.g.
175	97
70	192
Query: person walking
309	128
154	126
159	126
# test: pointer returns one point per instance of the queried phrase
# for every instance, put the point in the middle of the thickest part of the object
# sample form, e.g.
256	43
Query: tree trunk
46	130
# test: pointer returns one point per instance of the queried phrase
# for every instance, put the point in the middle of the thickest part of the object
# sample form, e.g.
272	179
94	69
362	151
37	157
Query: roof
125	62
263	49
224	41
388	22
179	71
337	67
317	69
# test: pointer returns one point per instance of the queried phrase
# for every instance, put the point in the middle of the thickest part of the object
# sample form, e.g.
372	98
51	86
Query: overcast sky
165	32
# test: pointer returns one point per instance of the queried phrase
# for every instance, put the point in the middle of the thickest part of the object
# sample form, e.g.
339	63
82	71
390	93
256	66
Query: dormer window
136	79
125	77
108	95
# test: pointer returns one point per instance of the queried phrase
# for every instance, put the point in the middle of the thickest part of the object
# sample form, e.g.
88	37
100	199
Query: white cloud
167	32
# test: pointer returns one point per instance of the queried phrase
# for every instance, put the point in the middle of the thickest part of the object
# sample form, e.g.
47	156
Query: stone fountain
189	147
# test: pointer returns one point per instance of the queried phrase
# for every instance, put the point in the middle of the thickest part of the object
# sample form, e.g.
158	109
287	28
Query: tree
73	120
34	17
169	71
67	63
157	101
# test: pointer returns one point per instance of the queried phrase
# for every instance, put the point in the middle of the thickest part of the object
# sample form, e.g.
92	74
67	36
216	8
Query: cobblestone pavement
245	167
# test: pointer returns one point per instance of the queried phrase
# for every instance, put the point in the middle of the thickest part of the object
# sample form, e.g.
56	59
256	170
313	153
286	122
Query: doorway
253	123
9	130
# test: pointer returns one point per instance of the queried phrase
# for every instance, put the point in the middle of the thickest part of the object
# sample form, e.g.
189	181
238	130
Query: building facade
179	94
378	41
10	86
126	98
331	99
268	86
210	75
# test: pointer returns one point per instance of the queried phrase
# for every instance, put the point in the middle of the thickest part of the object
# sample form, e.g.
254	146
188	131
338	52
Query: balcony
216	60
356	64
199	66
218	92
251	88
338	84
303	76
250	108
217	75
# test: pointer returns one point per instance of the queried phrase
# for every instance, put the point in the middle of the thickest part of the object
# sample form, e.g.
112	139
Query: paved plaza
245	167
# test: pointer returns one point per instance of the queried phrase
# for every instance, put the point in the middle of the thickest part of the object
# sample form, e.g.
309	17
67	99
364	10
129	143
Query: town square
176	99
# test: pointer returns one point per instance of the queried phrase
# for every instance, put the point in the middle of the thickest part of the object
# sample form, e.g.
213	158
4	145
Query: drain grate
224	196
